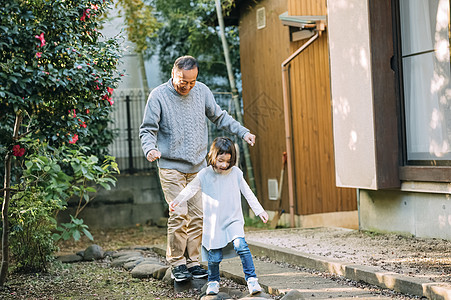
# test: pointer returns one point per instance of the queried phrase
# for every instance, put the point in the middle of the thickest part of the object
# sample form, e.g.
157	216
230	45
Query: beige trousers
184	225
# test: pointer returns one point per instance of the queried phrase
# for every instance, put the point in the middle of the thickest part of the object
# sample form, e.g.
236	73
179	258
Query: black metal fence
127	117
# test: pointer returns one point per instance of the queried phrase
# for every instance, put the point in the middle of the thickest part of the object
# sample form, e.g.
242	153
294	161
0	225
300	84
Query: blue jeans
241	248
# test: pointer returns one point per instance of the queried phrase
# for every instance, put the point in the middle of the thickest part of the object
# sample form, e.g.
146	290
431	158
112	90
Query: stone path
288	282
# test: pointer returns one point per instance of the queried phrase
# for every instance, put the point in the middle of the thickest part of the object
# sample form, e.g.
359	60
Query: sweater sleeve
250	197
221	118
148	130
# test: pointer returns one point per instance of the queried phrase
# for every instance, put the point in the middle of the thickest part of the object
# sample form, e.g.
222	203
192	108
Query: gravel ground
416	257
97	280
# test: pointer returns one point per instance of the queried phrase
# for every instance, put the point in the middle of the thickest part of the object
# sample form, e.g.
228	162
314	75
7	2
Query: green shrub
31	243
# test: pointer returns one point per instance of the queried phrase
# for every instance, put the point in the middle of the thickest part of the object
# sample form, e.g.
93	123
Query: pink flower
41	38
38	54
74	139
94	7
17	151
79	67
97	87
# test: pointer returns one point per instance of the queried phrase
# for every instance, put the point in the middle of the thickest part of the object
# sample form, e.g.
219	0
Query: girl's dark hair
186	63
222	145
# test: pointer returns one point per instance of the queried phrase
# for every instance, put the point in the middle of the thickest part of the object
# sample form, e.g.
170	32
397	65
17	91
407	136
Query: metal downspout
287	115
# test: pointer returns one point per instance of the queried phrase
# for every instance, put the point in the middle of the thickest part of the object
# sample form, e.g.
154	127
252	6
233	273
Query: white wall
352	93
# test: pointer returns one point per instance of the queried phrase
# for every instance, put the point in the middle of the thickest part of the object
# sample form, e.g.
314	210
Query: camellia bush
57	76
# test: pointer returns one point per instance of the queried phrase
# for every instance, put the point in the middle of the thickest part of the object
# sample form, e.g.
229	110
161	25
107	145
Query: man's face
184	80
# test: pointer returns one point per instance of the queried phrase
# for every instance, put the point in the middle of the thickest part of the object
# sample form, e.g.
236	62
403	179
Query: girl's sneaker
254	287
212	288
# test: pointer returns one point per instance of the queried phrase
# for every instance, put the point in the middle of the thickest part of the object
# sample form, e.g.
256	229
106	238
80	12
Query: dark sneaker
198	272
181	273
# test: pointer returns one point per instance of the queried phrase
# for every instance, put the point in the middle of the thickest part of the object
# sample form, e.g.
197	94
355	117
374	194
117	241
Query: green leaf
56	237
91	189
76	235
88	234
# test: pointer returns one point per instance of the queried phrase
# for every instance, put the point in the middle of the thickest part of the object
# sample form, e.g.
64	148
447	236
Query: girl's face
222	163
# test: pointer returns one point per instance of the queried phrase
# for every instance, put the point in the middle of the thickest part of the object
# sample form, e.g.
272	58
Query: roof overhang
303	27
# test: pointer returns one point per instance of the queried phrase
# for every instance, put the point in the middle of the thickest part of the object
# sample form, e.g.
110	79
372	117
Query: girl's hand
264	216
172	205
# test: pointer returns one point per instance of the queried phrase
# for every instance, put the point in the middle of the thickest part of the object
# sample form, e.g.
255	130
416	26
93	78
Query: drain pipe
287	115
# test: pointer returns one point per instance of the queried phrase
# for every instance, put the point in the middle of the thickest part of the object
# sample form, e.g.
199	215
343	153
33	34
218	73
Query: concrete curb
400	283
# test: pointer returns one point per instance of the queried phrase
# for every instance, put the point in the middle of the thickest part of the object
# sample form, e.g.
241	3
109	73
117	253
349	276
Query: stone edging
368	274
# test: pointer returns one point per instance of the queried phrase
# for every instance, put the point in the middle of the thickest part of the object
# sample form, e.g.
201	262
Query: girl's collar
226	172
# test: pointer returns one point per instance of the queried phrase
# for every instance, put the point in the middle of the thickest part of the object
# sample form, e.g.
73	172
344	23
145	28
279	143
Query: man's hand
264	216
249	138
153	155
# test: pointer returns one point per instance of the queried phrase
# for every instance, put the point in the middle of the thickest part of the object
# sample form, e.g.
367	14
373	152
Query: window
424	28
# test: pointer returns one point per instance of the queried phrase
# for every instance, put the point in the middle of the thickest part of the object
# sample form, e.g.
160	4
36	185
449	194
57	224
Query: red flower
94	7
82	123
85	14
38	54
87	111
106	97
74	115
41	38
74	139
110	90
17	151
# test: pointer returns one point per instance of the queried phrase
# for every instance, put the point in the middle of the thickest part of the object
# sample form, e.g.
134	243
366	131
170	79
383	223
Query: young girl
223	226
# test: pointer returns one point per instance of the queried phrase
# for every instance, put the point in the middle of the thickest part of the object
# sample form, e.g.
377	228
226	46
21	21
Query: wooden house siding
262	52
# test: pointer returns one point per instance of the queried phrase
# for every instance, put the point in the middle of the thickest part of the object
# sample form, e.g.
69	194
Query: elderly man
174	131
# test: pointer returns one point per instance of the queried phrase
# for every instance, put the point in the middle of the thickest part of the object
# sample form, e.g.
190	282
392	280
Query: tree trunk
235	96
5	206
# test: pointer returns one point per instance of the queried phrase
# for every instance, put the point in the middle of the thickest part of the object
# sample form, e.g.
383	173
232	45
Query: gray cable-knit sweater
176	126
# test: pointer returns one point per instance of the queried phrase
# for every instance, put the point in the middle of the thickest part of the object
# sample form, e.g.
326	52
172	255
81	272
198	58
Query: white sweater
221	200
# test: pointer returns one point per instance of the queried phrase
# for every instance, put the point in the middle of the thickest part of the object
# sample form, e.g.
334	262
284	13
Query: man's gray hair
186	63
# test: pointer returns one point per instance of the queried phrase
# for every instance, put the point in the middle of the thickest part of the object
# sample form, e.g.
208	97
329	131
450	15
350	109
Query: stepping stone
195	283
219	296
293	295
126	253
93	252
144	270
122	260
70	258
132	264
